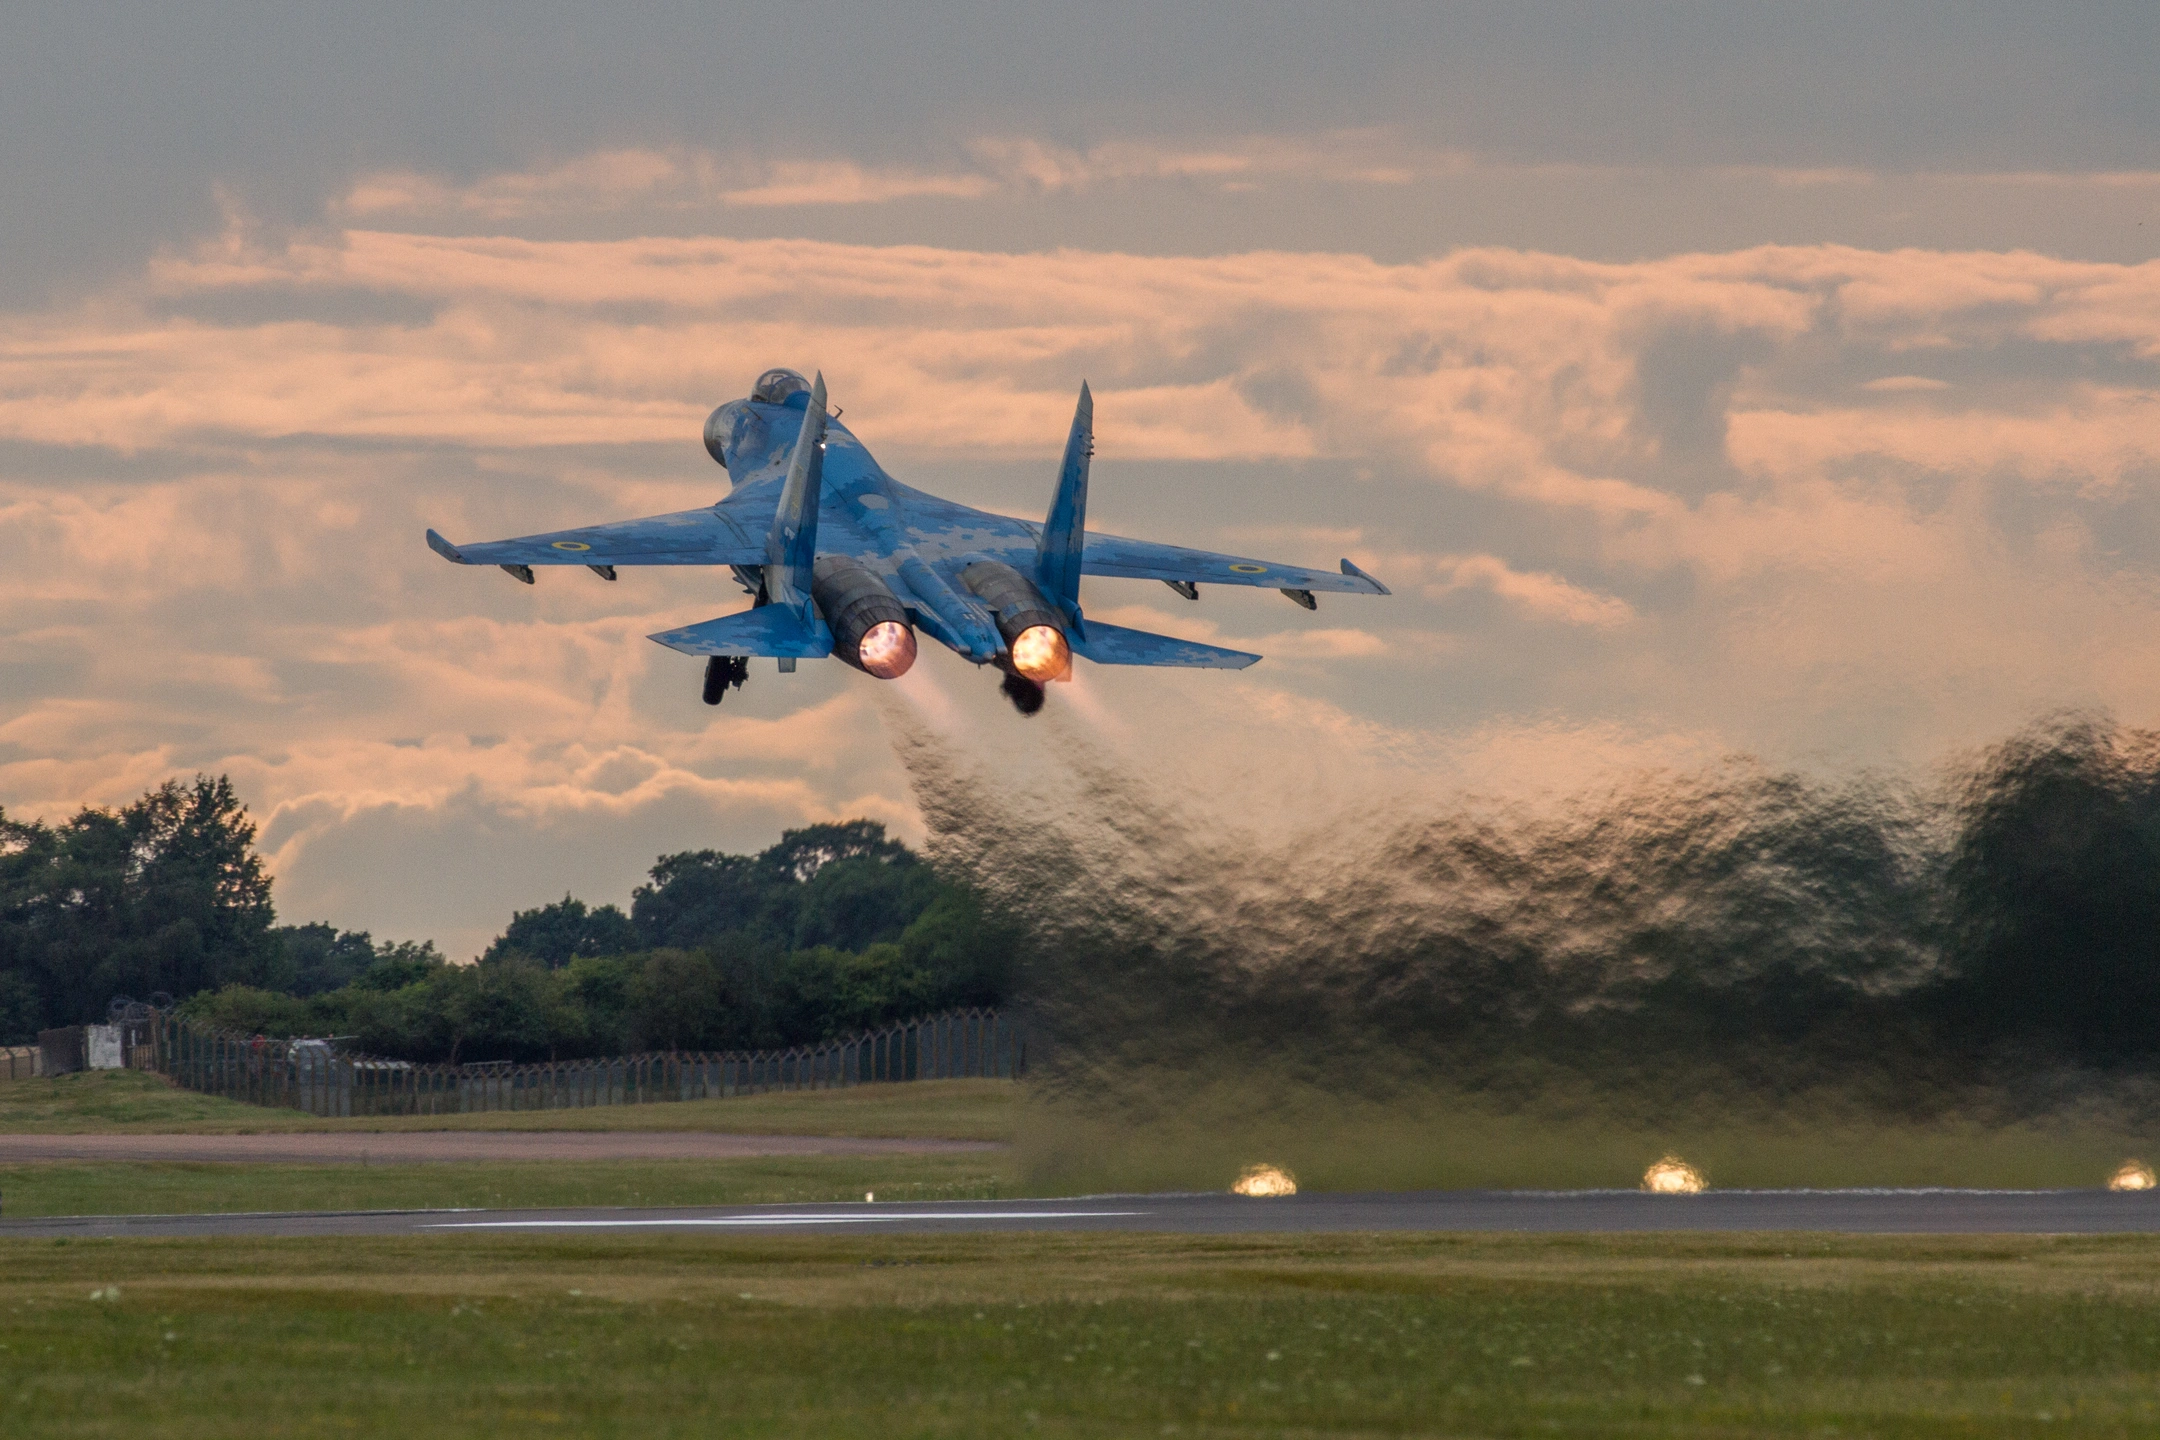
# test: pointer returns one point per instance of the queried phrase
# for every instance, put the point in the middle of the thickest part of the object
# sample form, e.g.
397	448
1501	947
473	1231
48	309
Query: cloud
611	181
664	180
841	182
1545	596
602	180
1785	498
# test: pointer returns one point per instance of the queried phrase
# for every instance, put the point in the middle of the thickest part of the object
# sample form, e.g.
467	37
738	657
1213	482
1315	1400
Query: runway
1851	1212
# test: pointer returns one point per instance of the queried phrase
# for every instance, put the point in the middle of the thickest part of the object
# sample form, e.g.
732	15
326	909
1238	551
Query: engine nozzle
870	629
886	650
1034	637
1041	654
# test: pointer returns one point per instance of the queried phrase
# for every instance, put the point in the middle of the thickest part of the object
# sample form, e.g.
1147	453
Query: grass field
110	1102
117	1188
1081	1336
119	1101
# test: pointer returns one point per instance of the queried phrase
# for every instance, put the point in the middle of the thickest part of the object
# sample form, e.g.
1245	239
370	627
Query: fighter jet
843	560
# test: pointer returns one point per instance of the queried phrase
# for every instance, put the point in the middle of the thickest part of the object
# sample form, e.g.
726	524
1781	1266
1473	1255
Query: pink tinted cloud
1813	581
1501	370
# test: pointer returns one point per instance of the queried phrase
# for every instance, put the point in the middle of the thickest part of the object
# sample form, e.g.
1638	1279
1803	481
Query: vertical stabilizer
791	544
1064	536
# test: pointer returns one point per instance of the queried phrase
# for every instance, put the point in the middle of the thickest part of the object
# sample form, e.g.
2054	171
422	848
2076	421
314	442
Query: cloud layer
1809	500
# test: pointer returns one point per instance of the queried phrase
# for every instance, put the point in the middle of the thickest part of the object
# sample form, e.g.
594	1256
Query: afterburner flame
2134	1175
1265	1180
1040	653
1672	1176
887	649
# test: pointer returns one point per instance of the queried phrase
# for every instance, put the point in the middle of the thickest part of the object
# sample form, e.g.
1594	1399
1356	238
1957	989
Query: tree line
835	928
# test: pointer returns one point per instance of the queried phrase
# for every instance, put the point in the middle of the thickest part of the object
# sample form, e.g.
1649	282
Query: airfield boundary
312	1077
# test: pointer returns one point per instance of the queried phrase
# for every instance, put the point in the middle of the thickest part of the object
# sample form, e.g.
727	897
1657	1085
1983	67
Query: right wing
730	533
1115	645
1146	560
766	630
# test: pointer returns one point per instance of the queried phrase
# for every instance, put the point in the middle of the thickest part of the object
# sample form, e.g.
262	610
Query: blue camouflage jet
844	560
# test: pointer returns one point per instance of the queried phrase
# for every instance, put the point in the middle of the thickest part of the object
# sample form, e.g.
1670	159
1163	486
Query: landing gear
1025	694
724	672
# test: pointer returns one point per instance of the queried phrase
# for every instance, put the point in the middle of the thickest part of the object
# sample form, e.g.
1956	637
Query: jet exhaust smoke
1732	934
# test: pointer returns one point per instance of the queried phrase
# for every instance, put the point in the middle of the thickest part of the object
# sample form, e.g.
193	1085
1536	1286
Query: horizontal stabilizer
1115	645
767	630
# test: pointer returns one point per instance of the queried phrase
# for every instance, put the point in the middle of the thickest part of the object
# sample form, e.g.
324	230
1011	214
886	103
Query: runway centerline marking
787	1219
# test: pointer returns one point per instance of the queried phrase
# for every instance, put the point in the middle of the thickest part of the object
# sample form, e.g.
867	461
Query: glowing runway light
887	649
1040	653
1672	1176
1265	1180
2134	1175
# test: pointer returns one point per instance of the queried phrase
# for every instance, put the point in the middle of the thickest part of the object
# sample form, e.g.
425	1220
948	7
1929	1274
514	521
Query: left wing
1146	560
730	533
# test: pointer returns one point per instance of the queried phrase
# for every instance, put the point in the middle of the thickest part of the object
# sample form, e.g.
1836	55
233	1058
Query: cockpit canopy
774	386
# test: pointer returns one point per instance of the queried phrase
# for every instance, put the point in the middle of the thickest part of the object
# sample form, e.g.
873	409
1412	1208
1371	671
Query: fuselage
915	542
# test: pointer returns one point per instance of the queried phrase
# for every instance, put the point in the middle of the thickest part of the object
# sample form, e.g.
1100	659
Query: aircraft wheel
1025	694
722	673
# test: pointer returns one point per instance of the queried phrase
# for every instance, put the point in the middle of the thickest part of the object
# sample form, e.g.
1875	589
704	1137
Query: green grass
1081	1336
120	1101
118	1188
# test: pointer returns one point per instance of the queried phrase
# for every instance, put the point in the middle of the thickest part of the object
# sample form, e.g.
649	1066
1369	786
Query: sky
1705	379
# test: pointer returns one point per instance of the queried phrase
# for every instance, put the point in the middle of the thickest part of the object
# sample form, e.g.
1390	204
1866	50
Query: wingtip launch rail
844	561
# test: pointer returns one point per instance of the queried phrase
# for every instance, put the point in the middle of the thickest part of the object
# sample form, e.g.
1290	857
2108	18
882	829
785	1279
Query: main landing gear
725	672
1025	694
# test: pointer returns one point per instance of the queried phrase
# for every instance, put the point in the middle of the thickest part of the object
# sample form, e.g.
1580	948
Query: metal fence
20	1062
309	1075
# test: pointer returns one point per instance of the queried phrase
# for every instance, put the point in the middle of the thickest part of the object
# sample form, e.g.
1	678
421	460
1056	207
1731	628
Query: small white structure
101	1047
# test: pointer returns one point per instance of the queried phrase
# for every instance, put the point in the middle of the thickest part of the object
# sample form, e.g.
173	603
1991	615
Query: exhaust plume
1361	928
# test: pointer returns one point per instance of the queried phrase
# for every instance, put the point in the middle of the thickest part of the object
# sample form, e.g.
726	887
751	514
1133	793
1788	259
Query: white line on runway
787	1220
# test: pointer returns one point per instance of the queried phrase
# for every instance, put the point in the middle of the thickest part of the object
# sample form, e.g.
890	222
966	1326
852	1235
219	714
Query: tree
677	1001
317	958
556	934
165	894
860	901
846	885
700	894
801	854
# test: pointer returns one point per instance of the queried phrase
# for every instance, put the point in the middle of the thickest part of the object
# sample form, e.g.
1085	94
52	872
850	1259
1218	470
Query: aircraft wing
1145	560
730	533
767	630
1115	645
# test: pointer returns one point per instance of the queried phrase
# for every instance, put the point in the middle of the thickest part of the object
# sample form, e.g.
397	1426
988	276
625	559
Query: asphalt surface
407	1146
1861	1212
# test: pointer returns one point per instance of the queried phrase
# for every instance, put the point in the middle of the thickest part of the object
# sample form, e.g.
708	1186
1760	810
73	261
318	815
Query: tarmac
1851	1212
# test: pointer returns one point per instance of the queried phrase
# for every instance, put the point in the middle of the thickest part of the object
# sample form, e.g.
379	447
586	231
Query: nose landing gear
722	673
